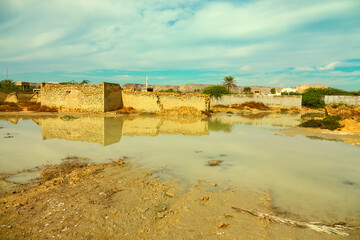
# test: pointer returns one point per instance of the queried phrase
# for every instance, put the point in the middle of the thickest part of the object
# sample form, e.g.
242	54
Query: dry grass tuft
10	107
126	110
252	104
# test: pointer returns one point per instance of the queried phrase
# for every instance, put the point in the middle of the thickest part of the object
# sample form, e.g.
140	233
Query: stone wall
281	101
112	97
156	102
93	98
349	100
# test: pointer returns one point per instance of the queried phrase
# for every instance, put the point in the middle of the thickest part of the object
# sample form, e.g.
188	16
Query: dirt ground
78	199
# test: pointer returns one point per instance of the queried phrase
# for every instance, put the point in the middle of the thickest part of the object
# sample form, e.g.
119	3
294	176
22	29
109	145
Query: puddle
314	179
23	178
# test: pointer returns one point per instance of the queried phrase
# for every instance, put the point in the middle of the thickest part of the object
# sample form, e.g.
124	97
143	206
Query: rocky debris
213	163
343	111
350	126
126	110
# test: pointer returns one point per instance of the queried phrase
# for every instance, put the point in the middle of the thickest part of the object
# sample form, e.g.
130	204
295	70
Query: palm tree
229	82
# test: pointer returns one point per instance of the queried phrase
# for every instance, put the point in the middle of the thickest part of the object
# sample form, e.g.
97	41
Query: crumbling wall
159	101
12	98
21	96
112	97
24	96
281	101
73	97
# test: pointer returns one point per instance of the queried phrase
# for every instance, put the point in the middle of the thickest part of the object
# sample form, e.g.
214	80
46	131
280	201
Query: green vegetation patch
216	91
329	122
312	96
68	118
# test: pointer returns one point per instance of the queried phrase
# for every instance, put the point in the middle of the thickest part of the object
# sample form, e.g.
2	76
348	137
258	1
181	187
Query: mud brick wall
94	98
158	101
281	101
73	97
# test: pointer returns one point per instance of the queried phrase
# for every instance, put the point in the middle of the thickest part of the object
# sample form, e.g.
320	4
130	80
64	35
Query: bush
312	96
216	91
330	122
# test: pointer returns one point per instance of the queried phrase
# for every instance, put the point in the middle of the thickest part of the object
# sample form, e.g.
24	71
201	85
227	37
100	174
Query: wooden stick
316	226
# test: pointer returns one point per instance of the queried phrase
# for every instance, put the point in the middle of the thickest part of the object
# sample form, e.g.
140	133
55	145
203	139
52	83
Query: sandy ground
82	200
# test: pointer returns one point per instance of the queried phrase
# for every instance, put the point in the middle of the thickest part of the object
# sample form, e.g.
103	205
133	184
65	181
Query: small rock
223	225
170	194
205	198
213	163
349	182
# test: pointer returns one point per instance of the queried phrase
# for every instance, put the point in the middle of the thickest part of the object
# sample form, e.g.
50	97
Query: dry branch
316	226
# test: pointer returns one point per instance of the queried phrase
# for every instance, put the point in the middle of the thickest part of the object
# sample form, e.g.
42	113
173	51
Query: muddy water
309	179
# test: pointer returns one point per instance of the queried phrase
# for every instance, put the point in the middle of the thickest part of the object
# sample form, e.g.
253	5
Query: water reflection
108	130
308	177
260	119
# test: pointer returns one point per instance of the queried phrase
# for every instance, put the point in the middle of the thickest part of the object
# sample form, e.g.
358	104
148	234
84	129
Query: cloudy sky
260	42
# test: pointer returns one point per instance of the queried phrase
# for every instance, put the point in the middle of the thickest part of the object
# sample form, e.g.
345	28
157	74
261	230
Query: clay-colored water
309	179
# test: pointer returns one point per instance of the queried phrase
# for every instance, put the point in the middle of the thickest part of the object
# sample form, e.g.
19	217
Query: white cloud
245	69
305	69
330	66
66	35
275	81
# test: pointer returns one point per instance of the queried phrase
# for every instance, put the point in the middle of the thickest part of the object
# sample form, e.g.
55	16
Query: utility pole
147	82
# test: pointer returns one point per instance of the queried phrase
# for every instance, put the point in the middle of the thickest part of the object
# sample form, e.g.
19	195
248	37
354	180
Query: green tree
229	82
85	81
273	91
216	91
8	85
247	90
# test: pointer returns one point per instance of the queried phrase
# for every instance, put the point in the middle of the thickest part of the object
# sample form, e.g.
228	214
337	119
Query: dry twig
316	226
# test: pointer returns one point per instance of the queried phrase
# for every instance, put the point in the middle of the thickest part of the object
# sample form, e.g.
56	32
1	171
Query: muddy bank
82	200
321	134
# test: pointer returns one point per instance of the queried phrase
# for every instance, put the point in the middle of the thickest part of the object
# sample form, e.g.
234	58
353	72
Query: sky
260	42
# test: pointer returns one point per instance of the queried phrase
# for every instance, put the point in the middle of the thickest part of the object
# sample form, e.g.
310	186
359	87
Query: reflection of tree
255	115
217	126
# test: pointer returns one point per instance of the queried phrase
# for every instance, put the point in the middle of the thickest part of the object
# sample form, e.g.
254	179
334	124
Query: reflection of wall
108	130
155	102
283	101
281	120
140	126
101	130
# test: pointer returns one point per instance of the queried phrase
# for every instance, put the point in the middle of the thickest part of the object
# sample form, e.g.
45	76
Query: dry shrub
126	110
36	107
66	167
10	107
47	109
28	104
343	111
252	104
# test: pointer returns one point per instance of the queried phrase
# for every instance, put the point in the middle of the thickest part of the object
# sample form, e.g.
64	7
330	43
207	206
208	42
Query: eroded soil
82	200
